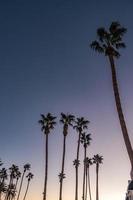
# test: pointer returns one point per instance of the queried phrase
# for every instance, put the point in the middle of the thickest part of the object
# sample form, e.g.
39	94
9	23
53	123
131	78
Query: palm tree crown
88	162
109	41
66	120
97	159
81	124
47	122
85	139
27	167
29	176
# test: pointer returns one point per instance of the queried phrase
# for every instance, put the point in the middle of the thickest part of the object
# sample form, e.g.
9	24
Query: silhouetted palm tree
80	125
26	168
11	192
47	124
3	177
66	120
11	187
18	176
85	140
109	42
97	159
88	164
3	189
29	176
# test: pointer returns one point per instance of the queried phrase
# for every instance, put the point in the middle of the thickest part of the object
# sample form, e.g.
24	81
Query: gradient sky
46	65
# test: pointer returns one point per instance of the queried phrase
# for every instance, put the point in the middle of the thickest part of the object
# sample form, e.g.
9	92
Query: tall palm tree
47	123
66	120
109	42
88	164
18	176
97	159
29	176
80	125
85	140
26	168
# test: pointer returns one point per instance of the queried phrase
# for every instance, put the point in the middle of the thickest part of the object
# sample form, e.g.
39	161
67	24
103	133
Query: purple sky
46	65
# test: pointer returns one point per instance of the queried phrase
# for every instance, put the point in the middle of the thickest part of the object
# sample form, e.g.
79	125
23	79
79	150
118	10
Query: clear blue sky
46	65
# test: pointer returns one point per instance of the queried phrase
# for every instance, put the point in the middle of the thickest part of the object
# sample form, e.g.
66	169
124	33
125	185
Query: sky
46	65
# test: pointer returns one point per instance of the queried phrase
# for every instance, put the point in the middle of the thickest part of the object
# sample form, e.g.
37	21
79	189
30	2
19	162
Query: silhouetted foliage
9	181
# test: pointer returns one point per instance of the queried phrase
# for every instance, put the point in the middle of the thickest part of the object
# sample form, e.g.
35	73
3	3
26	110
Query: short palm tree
85	140
3	189
3	175
13	170
88	164
47	124
66	120
29	176
109	42
26	168
3	178
80	125
97	159
11	192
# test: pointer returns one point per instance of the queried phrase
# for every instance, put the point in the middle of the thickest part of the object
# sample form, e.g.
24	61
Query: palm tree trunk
46	168
76	169
97	169
86	183
26	190
7	192
13	197
63	163
1	182
84	174
20	185
120	112
89	185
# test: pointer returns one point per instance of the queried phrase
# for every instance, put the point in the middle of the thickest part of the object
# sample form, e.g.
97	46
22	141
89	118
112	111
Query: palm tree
66	120
11	191
3	189
80	125
109	42
3	177
13	170
97	159
26	168
47	124
18	175
29	176
85	140
88	164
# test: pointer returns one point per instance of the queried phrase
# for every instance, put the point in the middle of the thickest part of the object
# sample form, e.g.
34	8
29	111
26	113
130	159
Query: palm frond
97	47
101	33
120	45
116	54
114	26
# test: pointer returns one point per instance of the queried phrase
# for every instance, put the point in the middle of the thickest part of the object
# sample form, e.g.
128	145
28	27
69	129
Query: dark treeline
80	125
11	182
